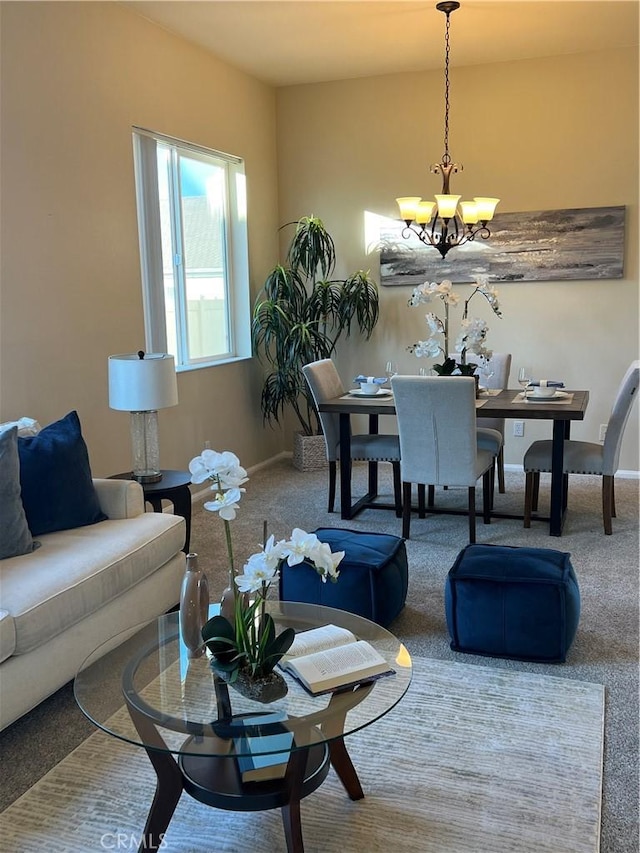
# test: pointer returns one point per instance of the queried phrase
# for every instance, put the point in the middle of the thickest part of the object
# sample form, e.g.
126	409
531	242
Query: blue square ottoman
373	576
519	603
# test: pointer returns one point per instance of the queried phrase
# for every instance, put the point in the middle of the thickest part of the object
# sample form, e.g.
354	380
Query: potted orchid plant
248	647
242	639
473	331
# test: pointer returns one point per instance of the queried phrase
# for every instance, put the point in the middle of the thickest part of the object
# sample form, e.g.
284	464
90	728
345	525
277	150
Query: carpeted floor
466	762
605	650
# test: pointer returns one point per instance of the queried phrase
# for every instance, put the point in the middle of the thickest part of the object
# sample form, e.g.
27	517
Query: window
193	246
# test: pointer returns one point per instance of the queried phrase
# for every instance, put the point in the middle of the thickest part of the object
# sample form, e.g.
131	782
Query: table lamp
141	383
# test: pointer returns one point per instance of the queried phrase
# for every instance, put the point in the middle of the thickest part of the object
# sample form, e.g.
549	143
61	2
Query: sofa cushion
7	635
55	476
15	536
76	572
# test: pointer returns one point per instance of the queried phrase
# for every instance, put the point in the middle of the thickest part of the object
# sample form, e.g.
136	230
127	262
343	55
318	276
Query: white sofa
80	589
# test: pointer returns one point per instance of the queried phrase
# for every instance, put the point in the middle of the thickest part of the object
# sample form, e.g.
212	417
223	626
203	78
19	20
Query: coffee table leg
291	811
342	764
340	703
169	784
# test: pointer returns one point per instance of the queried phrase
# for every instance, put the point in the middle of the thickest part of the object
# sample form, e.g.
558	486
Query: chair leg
421	500
535	494
492	474
472	515
406	509
397	488
487	494
332	486
607	503
528	497
501	488
613	499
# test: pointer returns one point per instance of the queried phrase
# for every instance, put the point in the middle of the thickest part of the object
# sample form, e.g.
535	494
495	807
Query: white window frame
237	291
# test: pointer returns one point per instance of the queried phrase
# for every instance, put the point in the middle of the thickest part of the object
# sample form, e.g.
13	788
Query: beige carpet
472	760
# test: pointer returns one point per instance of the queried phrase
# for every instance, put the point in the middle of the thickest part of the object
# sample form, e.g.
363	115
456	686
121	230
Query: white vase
194	607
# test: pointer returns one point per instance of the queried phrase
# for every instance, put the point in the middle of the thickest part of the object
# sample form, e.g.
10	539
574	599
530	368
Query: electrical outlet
603	432
207	445
518	428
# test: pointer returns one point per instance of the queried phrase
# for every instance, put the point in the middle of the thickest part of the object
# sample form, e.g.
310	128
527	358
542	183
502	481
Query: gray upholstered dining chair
325	383
438	444
585	457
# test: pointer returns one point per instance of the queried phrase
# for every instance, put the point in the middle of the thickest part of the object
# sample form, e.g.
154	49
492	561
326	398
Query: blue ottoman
520	603
373	576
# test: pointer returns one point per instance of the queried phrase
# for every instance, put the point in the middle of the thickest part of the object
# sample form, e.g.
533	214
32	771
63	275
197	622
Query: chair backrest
497	369
437	429
324	381
496	375
627	393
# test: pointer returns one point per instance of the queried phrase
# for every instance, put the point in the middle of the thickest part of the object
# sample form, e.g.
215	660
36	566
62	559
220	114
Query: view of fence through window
193	251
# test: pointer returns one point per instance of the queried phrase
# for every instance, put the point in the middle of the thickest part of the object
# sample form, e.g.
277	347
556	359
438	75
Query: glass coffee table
187	718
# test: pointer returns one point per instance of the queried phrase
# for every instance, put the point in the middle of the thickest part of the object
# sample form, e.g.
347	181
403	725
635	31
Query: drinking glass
391	369
524	377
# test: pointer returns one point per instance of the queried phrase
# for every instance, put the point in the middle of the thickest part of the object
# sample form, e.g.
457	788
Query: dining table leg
345	466
559	481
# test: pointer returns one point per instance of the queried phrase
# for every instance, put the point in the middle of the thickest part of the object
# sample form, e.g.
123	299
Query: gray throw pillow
15	536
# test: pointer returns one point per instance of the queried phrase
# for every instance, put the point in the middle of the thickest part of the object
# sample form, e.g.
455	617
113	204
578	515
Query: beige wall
540	135
75	78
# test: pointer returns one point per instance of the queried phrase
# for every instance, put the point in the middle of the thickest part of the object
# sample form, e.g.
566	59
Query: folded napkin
550	383
377	381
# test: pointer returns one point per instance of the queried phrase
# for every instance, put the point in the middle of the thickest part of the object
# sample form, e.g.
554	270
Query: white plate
381	392
534	398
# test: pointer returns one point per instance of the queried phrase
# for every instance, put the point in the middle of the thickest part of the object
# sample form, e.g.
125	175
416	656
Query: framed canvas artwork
547	245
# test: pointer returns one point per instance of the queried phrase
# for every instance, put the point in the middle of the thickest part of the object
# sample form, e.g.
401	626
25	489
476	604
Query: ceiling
287	42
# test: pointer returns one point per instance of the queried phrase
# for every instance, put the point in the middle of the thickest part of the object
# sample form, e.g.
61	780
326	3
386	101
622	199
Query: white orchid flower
257	572
224	468
225	503
299	546
427	349
435	324
325	561
272	553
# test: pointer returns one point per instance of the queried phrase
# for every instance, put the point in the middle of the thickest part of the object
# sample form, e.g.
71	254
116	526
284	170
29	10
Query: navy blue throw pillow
55	478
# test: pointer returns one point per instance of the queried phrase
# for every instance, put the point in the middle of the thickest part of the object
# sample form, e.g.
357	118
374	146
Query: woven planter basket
309	452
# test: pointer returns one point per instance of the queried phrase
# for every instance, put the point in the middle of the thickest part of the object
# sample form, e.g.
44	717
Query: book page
334	667
317	639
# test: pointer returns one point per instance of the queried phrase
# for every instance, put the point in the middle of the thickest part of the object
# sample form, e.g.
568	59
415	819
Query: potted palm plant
298	317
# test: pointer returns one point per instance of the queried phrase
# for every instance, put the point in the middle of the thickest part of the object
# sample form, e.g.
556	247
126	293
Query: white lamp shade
142	384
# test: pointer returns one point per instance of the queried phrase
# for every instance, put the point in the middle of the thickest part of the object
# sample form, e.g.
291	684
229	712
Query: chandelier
455	222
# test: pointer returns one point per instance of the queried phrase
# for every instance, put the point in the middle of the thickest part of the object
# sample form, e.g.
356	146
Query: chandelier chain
446	159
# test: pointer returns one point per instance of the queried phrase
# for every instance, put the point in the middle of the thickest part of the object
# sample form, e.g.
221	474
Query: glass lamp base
145	446
147	478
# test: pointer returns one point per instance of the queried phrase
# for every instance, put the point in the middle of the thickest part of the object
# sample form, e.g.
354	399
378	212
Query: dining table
508	403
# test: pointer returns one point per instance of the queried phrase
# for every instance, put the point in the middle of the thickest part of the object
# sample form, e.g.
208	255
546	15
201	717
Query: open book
324	659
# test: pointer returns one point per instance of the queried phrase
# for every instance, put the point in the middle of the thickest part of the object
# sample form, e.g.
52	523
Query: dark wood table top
505	404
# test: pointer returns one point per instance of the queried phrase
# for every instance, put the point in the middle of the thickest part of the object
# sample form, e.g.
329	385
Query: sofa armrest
120	498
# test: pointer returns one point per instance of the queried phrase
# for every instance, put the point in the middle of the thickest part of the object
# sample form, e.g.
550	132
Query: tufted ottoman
373	576
520	603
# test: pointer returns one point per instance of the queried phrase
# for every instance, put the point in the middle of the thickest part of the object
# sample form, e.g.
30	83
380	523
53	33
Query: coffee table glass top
178	696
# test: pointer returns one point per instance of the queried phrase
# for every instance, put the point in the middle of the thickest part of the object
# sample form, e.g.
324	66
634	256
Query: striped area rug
472	760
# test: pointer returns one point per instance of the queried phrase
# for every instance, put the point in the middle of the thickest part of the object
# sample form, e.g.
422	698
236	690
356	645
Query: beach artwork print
547	245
